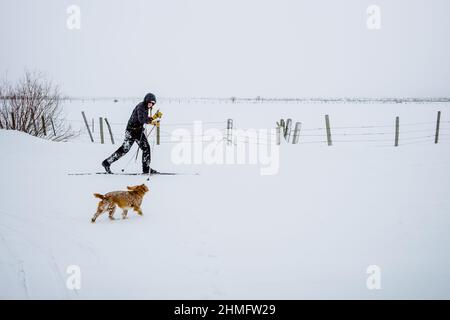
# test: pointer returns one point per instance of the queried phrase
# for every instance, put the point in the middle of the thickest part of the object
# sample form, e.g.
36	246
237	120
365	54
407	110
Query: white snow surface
310	231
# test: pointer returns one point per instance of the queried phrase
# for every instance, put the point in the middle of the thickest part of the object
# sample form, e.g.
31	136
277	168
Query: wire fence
372	134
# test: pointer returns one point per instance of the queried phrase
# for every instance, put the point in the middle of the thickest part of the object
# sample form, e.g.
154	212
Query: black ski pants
133	135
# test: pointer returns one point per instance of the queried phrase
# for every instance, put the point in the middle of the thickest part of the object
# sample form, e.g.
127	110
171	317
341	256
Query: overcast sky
245	48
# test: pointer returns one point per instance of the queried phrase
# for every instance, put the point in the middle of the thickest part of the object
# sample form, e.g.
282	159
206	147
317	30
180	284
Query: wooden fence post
397	130
229	131
53	127
43	125
87	126
438	123
287	130
13	121
102	138
110	131
327	124
158	134
298	126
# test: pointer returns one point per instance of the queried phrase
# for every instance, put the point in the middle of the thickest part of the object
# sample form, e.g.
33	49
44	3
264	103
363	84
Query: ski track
211	269
75	236
19	265
46	252
23	275
48	256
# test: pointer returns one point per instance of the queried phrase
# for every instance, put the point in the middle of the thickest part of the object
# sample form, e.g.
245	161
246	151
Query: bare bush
33	105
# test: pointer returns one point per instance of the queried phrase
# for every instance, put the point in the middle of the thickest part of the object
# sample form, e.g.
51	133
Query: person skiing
135	133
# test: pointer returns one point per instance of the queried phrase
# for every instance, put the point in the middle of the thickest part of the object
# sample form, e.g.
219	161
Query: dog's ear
141	188
131	188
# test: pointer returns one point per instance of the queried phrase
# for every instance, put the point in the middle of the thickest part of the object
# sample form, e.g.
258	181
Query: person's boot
107	166
146	171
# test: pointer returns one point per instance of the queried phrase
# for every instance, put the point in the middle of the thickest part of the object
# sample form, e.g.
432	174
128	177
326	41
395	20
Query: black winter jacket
139	117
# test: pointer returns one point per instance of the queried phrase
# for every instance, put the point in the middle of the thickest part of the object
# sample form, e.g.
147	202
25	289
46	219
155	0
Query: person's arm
142	114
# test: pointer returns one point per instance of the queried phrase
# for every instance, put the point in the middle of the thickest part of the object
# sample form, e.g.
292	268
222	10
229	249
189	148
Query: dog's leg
111	210
138	210
100	209
124	213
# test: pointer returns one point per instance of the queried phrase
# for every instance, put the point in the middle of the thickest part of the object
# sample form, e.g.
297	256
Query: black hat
149	97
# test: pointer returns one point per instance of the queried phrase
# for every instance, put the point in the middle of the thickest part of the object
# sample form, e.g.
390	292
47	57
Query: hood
149	97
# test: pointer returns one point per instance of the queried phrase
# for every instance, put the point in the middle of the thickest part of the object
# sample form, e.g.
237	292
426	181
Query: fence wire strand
414	133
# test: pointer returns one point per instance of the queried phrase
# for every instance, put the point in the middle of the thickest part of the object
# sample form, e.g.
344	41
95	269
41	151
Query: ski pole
140	139
147	135
128	163
137	151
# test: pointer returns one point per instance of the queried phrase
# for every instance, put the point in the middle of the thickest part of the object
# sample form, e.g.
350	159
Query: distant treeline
306	100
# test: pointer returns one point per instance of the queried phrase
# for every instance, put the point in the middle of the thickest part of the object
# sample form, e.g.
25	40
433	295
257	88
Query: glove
155	122
158	114
155	118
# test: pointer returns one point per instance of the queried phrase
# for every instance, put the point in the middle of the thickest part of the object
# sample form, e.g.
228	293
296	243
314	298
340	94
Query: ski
131	174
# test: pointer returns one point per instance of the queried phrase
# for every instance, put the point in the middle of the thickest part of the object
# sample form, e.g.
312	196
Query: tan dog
124	199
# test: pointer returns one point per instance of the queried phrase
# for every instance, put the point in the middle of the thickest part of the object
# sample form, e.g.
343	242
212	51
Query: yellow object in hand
157	115
155	122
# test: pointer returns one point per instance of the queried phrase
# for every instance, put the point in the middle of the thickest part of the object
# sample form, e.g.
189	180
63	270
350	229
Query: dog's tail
98	195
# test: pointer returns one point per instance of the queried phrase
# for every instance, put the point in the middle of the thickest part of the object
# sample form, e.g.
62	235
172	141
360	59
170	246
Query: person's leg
123	149
146	154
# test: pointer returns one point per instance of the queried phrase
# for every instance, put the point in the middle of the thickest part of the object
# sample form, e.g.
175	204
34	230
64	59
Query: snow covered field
310	231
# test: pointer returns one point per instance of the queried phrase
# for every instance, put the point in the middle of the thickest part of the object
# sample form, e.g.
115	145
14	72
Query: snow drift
310	231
